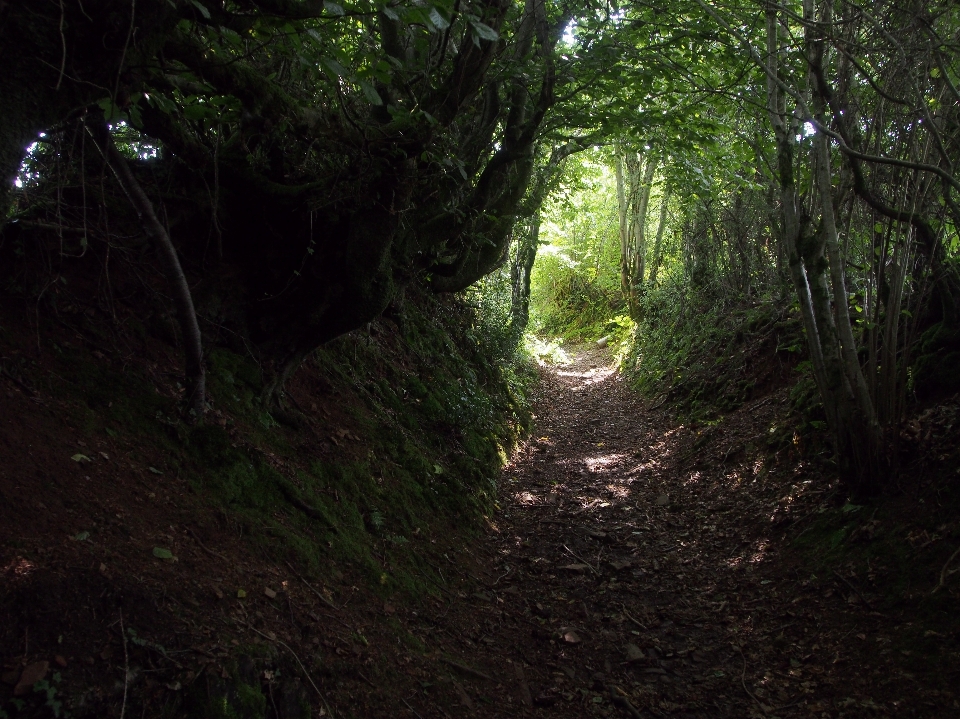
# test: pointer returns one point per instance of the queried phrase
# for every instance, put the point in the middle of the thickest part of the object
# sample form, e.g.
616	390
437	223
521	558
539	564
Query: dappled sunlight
589	378
603	462
760	551
618	490
526	498
20	568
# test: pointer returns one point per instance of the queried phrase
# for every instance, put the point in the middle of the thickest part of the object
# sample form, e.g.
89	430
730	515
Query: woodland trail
624	575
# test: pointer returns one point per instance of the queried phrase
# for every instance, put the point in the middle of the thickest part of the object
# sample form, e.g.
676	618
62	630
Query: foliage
705	351
575	286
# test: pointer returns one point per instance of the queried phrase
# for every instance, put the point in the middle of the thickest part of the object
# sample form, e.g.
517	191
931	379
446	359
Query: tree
909	155
328	188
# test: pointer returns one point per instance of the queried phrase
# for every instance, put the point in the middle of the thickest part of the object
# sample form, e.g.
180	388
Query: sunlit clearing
546	351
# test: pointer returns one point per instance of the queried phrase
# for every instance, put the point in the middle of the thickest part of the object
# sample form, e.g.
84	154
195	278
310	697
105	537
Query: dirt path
622	578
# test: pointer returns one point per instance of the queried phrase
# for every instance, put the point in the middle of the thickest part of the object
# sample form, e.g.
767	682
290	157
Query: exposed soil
638	568
635	567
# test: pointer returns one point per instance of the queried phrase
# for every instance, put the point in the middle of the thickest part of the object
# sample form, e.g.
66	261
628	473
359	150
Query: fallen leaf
60	661
241	593
161	553
663	500
270	593
80	536
31	675
575	567
571	637
154	470
464	697
634	653
81	458
389	609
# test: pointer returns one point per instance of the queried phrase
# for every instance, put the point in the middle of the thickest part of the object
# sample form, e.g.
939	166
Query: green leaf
334	68
391	13
199	6
161	553
371	93
198	112
80	536
81	458
154	470
437	19
484	32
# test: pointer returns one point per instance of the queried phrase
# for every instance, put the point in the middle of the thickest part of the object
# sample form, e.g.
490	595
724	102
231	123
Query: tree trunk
633	198
860	424
170	265
657	258
853	434
520	271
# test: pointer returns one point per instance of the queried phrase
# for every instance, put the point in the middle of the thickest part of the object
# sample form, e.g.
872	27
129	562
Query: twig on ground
577	556
364	677
635	621
856	591
944	573
294	655
126	667
763	707
619	699
411	708
309	586
465	669
20	383
743	681
203	546
525	696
